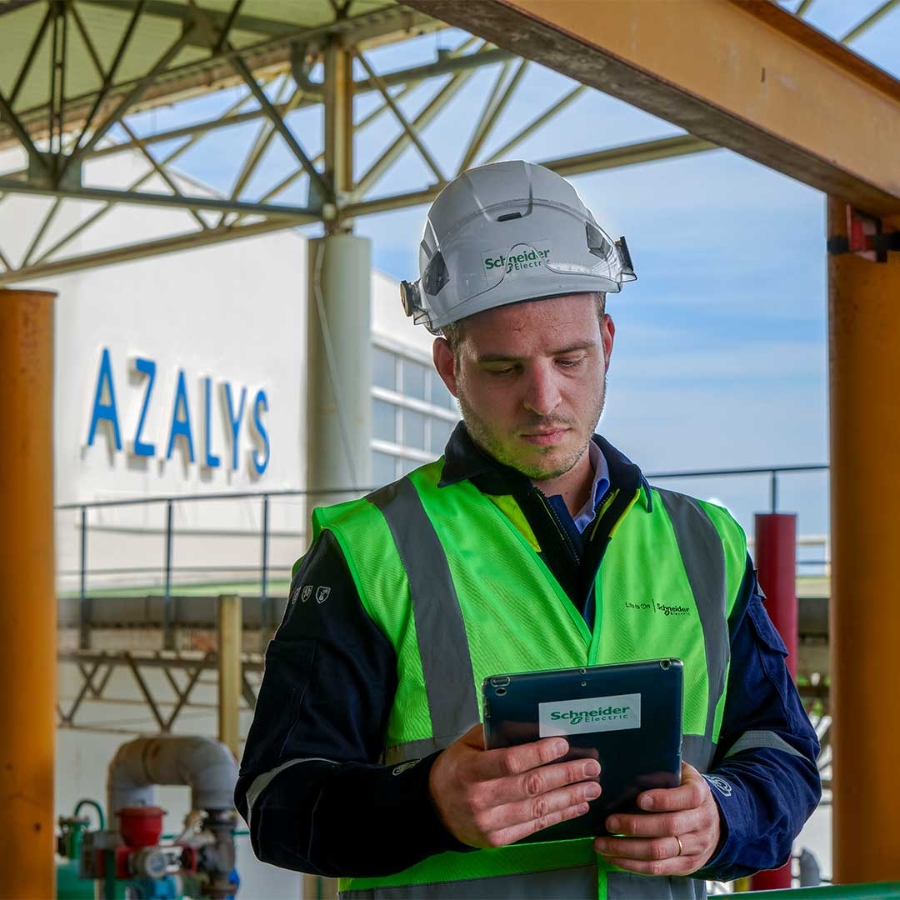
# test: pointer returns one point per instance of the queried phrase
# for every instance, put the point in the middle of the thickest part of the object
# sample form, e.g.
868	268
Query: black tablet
626	716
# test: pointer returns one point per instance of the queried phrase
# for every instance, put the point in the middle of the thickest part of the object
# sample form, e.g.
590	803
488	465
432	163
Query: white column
339	418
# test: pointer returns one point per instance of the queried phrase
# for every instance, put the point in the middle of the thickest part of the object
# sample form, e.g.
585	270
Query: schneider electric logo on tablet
593	714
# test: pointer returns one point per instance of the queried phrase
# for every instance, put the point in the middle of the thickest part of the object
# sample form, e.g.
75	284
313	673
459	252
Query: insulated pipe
28	600
776	561
864	332
207	766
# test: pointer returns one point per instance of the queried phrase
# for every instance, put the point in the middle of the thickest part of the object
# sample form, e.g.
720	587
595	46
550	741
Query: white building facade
180	440
184	376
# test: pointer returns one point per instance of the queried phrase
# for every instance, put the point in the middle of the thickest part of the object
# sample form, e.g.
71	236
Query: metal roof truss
77	78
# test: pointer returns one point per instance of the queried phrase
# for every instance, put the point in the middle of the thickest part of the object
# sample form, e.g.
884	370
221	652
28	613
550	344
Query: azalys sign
187	423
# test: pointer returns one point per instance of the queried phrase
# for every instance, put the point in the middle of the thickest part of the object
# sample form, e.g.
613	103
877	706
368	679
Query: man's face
531	380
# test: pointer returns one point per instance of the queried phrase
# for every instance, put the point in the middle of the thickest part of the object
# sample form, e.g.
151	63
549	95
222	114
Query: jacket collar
465	460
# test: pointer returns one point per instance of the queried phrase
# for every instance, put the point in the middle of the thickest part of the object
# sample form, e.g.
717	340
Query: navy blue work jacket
329	686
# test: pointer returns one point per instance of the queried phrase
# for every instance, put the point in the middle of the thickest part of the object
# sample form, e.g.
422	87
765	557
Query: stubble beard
484	437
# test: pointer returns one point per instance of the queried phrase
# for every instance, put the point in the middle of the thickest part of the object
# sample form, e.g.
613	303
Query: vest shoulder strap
713	549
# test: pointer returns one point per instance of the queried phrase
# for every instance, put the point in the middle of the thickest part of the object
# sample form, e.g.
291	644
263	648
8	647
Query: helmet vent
597	244
436	275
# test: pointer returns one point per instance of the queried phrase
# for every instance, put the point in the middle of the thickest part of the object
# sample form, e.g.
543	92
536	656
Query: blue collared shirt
575	525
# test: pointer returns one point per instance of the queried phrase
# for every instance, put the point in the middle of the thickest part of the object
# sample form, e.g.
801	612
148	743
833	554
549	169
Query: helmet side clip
625	256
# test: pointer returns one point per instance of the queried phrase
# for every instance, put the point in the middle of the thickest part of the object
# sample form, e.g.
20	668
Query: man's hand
490	798
677	835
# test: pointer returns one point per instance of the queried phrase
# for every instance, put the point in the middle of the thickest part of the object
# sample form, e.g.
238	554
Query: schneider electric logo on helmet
520	258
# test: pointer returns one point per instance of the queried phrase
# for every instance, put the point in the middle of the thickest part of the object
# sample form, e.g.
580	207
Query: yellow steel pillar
864	302
28	599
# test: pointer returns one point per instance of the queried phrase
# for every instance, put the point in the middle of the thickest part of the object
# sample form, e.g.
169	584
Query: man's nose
541	391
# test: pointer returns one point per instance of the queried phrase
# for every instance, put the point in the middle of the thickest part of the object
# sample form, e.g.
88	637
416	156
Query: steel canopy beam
292	214
612	158
199	76
141	251
744	74
281	217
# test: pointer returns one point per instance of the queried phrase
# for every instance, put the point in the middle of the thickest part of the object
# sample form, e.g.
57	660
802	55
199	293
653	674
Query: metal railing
772	471
808	540
265	568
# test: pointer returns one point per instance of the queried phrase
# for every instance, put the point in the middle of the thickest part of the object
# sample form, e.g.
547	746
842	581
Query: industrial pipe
207	766
776	560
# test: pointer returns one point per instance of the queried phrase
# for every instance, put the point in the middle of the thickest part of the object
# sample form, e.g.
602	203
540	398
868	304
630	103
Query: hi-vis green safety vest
453	579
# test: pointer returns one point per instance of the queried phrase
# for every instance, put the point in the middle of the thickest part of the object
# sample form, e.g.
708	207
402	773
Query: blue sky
721	349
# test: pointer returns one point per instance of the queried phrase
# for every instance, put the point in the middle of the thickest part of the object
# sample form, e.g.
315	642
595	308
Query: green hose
97	808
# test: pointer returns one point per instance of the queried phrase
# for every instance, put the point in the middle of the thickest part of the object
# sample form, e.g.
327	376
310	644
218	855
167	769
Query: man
532	544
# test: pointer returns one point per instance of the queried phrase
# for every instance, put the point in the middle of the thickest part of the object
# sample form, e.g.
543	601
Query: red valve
141	826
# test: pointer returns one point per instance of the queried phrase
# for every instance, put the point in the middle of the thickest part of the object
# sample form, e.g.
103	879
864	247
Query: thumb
474	737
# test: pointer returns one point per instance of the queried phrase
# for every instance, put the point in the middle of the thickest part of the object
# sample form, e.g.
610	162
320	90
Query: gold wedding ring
680	846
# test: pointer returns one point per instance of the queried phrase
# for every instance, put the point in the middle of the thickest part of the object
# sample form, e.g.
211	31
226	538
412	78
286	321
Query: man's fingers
677	838
526	829
517	760
692	792
538	808
539	781
653	849
689	795
643	825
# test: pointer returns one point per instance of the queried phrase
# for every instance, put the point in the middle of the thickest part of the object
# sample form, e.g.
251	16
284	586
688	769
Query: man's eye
507	371
570	363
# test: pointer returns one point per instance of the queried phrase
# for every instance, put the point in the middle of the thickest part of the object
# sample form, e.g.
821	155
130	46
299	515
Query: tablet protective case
626	716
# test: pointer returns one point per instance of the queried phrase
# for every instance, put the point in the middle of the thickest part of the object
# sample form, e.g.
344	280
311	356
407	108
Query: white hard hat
504	233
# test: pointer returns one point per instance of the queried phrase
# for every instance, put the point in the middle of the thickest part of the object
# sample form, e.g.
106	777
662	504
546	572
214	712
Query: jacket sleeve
764	776
310	788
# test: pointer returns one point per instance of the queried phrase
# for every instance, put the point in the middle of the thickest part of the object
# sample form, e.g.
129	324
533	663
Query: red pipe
776	562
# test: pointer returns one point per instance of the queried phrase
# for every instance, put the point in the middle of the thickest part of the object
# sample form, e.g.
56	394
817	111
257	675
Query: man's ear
445	363
607	336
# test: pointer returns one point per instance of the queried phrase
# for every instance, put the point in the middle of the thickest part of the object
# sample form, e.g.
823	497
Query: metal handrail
265	498
222	495
170	501
772	471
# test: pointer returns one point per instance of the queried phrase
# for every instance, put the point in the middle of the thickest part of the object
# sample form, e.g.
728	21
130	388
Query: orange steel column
864	325
27	596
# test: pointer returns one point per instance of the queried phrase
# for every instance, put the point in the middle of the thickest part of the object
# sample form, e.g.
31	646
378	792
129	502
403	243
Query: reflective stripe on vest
446	663
704	562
